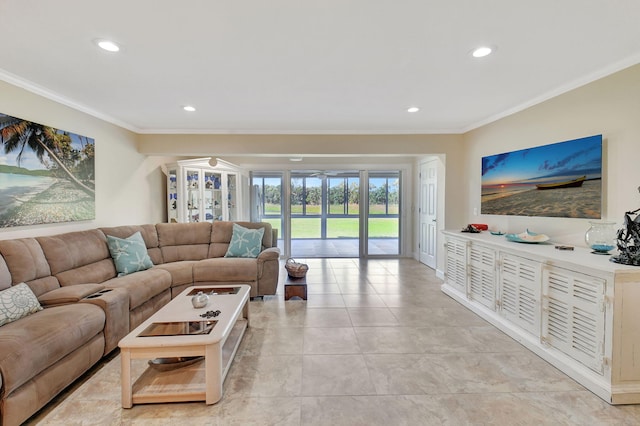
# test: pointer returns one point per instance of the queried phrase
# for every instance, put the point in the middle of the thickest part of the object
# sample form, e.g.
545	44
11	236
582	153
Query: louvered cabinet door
520	290
456	268
482	275
574	315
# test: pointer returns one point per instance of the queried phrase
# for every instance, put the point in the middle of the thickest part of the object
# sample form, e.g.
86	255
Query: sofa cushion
245	242
129	254
17	302
78	257
60	330
26	262
184	241
142	285
181	272
219	269
149	234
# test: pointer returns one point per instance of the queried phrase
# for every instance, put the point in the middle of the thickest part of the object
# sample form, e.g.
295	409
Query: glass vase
601	237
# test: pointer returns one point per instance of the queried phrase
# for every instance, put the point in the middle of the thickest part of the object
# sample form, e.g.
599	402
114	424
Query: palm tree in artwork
18	135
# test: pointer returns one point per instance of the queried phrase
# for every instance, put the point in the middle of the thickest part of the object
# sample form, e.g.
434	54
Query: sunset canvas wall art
558	180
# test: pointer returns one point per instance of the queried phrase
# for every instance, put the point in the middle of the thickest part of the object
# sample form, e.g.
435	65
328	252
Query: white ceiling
314	66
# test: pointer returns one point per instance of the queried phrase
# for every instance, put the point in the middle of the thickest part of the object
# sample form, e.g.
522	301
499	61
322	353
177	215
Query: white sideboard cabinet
577	310
199	192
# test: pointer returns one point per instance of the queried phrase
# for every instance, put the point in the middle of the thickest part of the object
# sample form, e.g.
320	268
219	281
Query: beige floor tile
388	340
353	276
278	314
323	289
406	374
422	298
264	376
363	301
335	375
347	287
325	301
372	317
334	340
274	411
327	317
320	277
374	410
382	277
500	372
537	408
271	341
437	317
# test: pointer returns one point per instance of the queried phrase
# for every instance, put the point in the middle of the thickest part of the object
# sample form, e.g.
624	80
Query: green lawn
333	209
339	227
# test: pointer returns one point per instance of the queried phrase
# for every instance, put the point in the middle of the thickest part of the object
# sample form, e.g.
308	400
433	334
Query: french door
331	213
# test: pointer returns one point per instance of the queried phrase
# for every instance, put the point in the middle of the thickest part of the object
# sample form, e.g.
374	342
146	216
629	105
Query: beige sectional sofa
88	308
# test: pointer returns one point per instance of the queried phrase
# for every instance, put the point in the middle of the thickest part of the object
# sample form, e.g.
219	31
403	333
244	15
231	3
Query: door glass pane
337	196
313	196
343	214
297	195
383	222
272	196
266	202
306	207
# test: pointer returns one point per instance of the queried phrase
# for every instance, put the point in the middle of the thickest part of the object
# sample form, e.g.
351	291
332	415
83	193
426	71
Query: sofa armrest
268	271
271	253
115	304
68	294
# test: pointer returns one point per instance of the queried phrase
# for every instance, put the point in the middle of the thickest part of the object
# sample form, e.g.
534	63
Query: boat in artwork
574	183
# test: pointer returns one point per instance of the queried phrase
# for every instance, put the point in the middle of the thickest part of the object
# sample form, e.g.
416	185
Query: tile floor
377	343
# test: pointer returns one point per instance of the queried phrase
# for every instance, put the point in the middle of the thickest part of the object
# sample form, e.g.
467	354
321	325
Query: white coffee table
200	381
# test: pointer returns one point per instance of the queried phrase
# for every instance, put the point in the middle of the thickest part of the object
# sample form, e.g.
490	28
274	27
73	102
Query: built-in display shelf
575	309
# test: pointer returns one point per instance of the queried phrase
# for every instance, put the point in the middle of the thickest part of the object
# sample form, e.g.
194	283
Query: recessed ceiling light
481	51
189	108
108	45
413	109
295	159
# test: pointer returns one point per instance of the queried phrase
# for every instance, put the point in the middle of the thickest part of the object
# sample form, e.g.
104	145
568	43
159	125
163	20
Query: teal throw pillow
245	242
17	302
129	254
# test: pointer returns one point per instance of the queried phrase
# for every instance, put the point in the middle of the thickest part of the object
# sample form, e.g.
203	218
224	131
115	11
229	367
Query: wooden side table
295	288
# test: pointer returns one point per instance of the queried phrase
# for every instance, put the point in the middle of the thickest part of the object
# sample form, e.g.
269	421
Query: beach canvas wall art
47	175
558	180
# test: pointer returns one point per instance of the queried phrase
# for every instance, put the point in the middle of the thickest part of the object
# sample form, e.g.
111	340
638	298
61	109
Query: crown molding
56	97
582	81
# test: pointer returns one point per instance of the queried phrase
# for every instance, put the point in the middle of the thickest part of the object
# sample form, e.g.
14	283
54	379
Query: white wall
609	106
129	185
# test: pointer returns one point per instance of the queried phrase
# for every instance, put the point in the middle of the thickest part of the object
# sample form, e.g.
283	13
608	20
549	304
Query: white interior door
427	211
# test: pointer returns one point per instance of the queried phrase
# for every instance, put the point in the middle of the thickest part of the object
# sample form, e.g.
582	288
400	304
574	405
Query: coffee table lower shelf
188	383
